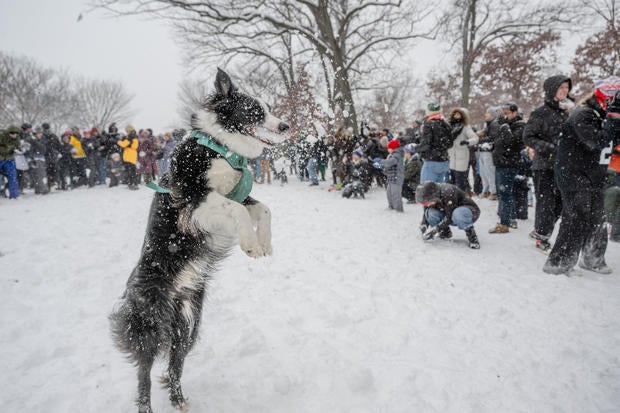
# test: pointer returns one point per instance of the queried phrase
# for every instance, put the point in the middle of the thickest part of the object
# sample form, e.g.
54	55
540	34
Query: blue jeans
8	168
311	168
101	170
462	217
504	181
433	171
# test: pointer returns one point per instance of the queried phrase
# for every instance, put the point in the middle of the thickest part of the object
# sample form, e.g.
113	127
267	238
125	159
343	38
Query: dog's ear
223	84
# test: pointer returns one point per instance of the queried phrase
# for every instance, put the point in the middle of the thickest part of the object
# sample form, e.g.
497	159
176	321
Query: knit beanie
393	144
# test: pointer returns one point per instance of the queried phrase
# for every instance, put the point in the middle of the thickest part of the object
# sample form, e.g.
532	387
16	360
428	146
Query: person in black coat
542	134
581	179
52	154
445	205
507	160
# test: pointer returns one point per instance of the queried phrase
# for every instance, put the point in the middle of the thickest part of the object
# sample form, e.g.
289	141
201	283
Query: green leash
243	188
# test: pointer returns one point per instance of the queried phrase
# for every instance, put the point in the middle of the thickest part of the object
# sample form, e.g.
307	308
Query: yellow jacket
77	145
130	149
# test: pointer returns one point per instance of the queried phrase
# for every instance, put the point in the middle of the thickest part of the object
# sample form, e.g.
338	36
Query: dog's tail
135	332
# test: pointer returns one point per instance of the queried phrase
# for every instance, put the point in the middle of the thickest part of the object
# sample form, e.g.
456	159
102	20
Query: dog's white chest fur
222	177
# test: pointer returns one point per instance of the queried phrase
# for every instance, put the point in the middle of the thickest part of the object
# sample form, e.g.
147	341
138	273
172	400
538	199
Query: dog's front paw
267	250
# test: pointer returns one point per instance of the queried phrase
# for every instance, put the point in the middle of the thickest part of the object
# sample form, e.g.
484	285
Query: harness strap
243	188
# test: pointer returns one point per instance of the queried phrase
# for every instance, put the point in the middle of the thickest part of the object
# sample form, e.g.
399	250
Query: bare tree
101	102
27	89
35	94
349	37
599	56
392	105
475	25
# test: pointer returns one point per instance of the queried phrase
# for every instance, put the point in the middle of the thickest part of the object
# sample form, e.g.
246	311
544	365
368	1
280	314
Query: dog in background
198	214
281	176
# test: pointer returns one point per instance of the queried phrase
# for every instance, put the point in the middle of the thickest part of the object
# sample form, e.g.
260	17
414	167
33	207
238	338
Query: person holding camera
464	137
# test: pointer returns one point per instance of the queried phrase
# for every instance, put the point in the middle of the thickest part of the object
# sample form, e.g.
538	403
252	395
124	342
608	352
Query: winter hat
494	111
427	192
38	130
511	106
12	129
94	130
45	126
606	89
67	133
358	153
112	128
409	149
393	144
129	129
26	125
433	108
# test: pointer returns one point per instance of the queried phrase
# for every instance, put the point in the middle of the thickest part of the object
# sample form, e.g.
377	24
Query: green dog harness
241	191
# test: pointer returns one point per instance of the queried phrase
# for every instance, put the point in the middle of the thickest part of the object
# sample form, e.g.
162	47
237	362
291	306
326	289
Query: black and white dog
196	217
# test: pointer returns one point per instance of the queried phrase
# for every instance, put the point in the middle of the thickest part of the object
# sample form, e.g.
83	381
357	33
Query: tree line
501	49
33	93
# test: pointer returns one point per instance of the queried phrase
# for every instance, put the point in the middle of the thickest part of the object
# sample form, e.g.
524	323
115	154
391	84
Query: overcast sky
139	52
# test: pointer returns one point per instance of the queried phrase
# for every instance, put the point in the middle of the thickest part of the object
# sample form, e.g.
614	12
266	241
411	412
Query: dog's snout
283	127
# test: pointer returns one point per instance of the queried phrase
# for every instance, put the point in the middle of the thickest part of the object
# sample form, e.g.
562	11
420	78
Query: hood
464	114
12	128
427	192
553	83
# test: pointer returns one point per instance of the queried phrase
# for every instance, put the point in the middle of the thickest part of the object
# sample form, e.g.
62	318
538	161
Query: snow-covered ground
352	313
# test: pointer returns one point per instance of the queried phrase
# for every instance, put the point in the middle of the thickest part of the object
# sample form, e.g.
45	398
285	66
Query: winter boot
493	197
544	246
445	233
499	229
514	224
601	269
472	238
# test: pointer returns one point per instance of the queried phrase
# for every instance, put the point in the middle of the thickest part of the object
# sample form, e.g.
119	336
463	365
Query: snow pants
395	197
581	231
487	172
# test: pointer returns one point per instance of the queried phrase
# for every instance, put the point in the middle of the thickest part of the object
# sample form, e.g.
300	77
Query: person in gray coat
393	166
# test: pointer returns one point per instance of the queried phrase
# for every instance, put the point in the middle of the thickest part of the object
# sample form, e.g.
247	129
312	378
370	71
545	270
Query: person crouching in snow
445	205
393	167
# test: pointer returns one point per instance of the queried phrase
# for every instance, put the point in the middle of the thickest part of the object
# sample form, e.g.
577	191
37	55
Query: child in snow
445	205
394	168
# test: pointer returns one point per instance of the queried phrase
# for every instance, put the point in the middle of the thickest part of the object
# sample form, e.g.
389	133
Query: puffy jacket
508	145
77	145
543	128
578	165
459	153
130	149
394	166
436	139
448	198
8	144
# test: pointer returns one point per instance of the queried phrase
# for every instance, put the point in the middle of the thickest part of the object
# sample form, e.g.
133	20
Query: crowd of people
559	153
39	159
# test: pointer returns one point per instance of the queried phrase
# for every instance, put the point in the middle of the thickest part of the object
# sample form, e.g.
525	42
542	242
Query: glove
430	233
377	165
463	142
377	159
423	228
486	146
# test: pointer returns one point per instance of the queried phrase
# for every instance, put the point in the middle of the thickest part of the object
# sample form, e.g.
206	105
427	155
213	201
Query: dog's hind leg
145	364
175	370
178	351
